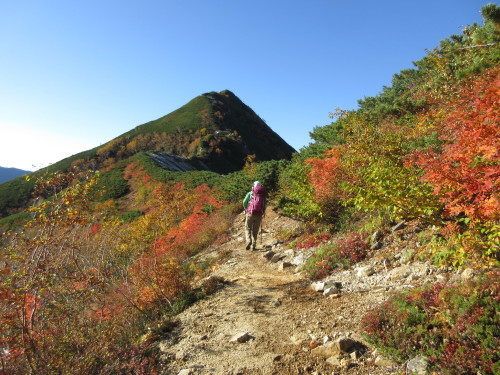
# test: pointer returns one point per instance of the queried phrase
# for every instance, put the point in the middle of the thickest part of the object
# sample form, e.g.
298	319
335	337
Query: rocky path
267	319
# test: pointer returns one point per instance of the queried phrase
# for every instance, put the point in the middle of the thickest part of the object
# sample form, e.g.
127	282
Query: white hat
256	183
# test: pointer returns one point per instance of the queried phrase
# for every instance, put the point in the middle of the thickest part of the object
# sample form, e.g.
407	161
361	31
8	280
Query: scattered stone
181	356
269	255
355	355
318	286
334	361
398	273
331	291
334	348
185	371
313	344
383	362
278	358
241	338
342	362
418	365
284	265
398	226
299	260
467	274
365	271
276	258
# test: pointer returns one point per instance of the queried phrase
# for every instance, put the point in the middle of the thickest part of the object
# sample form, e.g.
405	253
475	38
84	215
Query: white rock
418	365
185	371
298	260
318	286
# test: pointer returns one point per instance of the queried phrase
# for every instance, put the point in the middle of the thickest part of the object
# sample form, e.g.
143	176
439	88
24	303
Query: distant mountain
214	131
7	174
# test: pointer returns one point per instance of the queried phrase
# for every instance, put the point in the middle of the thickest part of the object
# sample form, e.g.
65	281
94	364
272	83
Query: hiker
255	207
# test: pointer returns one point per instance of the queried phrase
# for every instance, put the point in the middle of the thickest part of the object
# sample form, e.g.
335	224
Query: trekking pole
262	227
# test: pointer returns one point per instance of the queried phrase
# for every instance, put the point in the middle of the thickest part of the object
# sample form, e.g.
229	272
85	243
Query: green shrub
324	262
455	326
130	216
111	185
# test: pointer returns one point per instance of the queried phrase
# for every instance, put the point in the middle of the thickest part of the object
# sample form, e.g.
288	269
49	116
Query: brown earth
279	311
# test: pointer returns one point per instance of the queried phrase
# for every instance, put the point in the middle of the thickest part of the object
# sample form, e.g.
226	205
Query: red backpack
257	201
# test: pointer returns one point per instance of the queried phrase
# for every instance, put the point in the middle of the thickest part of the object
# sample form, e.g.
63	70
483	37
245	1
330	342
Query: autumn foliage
78	280
466	173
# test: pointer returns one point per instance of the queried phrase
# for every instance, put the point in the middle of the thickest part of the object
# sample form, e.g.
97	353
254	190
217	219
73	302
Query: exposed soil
283	315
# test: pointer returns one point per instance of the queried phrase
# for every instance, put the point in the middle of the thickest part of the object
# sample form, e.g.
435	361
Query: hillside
7	174
214	131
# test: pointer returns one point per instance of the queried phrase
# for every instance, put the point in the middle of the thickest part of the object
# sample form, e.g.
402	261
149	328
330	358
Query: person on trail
255	208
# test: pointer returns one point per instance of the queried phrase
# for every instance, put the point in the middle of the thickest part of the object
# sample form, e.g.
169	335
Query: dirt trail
282	315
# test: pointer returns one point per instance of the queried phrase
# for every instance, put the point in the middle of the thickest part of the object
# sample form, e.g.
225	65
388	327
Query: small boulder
334	348
318	286
284	266
398	273
418	365
276	258
299	260
269	255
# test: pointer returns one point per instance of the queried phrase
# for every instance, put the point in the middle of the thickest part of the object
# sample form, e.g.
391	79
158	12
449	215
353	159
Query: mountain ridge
7	174
214	131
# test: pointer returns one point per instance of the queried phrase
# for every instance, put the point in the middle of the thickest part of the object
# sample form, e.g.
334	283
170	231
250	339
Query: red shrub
353	246
466	173
312	240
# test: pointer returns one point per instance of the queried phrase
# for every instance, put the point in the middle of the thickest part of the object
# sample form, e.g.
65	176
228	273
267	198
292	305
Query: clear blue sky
75	74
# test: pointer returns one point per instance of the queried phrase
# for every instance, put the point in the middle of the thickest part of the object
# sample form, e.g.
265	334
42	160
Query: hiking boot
248	245
253	247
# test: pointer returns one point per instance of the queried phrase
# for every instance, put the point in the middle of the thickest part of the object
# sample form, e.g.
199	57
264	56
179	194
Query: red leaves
325	174
466	173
